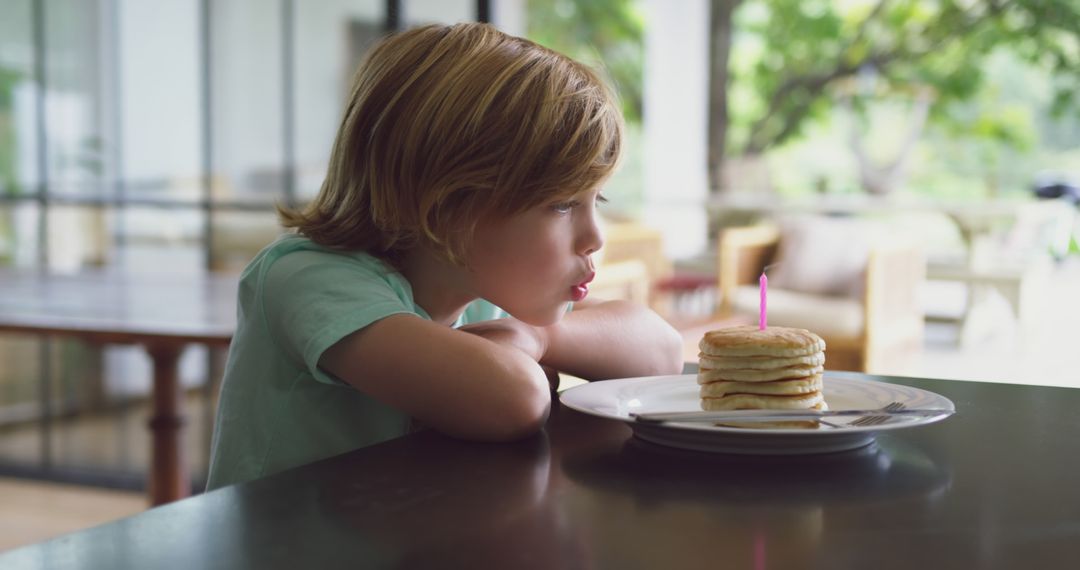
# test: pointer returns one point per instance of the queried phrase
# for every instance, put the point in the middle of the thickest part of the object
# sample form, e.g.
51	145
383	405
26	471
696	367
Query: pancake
759	362
747	340
775	388
746	368
763	402
779	424
749	375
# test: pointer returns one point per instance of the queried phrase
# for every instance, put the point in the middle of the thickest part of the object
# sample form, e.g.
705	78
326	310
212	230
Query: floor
35	511
1041	352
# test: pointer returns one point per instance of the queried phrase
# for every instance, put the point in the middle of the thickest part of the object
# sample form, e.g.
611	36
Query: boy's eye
564	207
567	206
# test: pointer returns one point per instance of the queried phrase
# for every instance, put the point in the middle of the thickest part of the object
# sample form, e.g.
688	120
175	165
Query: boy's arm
461	384
613	339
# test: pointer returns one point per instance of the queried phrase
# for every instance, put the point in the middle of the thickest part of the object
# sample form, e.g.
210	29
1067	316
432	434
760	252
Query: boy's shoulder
300	250
296	263
295	268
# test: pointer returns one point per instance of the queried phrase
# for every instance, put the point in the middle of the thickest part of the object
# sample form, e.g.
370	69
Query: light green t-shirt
277	408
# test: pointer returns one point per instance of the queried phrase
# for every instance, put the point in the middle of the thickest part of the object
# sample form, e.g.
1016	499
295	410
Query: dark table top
995	486
122	307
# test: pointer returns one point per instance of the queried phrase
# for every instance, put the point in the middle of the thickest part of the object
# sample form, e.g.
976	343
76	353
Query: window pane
238	236
7	235
104	393
246	70
330	39
19	224
156	240
159	100
75	77
18	101
20	437
78	236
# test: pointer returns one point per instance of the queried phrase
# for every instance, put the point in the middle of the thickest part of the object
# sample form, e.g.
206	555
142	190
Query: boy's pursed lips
581	290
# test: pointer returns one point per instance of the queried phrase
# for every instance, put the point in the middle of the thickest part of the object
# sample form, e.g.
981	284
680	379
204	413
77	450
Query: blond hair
448	124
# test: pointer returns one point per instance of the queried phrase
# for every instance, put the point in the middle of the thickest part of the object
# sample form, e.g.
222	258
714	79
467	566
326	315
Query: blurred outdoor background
910	170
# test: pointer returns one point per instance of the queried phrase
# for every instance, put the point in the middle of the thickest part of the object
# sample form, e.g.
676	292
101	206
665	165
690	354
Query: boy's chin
542	318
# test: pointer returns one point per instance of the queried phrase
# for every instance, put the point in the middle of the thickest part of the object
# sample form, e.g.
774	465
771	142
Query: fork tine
870	421
873	420
877	420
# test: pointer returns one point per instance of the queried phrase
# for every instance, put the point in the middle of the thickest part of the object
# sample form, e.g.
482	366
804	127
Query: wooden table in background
162	313
992	487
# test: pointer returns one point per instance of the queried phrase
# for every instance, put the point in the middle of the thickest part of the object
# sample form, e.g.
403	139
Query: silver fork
878	420
869	420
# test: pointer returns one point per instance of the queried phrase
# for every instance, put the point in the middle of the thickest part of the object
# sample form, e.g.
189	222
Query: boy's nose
592	238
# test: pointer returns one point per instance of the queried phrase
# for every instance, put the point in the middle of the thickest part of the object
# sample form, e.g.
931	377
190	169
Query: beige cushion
828	316
822	255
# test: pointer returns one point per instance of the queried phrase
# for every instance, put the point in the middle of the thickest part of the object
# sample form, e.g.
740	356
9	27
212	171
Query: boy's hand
553	377
531	340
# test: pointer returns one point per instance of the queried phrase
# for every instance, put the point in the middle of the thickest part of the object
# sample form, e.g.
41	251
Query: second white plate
617	399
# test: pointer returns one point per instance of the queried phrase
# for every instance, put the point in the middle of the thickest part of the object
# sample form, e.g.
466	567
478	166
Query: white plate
616	399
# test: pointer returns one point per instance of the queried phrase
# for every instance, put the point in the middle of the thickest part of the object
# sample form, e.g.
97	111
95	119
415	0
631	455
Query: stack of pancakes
747	368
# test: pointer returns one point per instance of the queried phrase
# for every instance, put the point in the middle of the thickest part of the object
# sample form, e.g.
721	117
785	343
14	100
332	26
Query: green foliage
808	53
996	144
605	34
794	60
8	79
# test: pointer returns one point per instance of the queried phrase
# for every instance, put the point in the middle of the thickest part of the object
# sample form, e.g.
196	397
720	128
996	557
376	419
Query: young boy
432	279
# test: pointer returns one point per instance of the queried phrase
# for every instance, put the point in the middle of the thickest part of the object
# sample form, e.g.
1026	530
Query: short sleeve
481	310
313	299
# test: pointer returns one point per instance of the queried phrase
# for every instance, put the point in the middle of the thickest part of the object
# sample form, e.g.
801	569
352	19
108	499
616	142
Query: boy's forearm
614	339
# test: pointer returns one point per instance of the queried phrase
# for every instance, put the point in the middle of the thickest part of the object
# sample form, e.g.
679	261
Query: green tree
8	80
606	34
811	54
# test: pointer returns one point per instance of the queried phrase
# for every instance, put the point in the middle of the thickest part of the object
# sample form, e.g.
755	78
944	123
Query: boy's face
534	263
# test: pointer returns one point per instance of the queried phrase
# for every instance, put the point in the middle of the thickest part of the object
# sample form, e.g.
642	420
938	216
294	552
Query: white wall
675	119
415	12
509	16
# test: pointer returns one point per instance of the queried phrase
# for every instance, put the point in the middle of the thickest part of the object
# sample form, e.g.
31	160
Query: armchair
870	315
631	263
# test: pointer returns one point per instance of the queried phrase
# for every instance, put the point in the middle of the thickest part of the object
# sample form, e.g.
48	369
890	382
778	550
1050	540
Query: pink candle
763	287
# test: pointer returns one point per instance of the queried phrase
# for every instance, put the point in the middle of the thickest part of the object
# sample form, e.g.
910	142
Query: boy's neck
438	286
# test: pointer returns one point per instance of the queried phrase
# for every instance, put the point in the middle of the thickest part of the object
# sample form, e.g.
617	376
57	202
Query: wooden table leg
169	479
